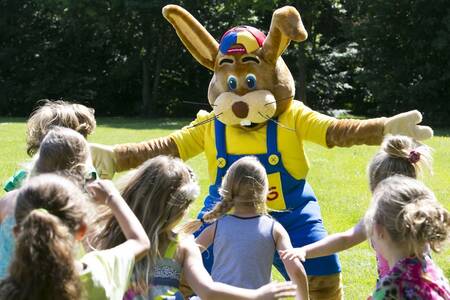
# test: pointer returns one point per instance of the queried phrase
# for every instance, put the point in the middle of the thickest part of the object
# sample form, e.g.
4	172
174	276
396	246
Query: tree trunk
156	76
146	99
147	27
301	77
301	64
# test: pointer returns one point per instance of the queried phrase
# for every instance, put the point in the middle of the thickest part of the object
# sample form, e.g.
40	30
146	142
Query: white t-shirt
107	273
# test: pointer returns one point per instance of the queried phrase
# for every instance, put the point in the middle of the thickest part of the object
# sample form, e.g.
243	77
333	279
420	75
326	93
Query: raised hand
406	124
103	190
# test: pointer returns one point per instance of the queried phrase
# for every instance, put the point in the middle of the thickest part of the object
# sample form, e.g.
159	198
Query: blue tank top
7	244
243	251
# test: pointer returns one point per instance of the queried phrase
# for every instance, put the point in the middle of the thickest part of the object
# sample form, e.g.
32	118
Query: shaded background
370	57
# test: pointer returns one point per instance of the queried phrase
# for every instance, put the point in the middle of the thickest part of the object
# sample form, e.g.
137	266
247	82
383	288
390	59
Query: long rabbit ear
194	36
286	25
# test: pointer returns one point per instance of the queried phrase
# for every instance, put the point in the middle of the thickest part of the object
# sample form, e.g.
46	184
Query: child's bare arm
103	191
7	204
201	282
206	238
331	244
294	267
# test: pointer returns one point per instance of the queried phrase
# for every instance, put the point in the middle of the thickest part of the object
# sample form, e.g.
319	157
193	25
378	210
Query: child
160	193
52	113
50	216
62	150
398	155
244	242
403	222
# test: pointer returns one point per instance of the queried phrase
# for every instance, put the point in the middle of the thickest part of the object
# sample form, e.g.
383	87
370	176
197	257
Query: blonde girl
160	193
244	242
50	114
63	150
50	214
403	222
398	155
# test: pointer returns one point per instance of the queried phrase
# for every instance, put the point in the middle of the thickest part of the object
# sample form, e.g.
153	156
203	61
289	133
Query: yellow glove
104	160
406	124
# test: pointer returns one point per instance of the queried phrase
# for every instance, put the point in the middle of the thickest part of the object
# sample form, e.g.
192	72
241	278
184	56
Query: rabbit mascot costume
254	113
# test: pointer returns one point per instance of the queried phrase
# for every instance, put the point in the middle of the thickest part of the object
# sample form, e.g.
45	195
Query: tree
405	58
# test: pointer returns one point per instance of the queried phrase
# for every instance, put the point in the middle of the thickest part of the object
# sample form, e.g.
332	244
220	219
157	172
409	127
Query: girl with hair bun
403	222
398	155
48	115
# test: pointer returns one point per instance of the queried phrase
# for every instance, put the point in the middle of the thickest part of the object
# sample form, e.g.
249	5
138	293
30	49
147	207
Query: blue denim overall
300	215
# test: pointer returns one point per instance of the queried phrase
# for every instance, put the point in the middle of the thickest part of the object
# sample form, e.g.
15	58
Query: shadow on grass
12	120
160	123
444	132
143	124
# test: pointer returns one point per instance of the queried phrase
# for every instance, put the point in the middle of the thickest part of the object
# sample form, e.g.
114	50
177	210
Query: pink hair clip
414	156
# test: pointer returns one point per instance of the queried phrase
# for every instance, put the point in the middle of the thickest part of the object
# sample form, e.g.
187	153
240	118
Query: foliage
404	56
123	58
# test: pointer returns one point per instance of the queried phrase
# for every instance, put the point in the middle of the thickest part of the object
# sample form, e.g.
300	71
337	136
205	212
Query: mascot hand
406	124
104	160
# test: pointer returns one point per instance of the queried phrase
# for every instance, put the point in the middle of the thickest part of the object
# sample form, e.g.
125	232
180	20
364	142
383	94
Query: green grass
338	177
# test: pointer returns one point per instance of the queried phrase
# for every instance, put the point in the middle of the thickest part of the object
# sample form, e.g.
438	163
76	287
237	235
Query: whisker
205	121
290	97
279	124
198	103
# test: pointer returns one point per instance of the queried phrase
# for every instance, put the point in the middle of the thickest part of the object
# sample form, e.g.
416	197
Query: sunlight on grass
338	177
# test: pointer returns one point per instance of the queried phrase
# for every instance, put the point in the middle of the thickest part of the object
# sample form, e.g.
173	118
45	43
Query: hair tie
203	221
42	210
414	156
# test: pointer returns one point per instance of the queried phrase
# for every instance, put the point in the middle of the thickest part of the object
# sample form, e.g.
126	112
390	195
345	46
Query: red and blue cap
241	40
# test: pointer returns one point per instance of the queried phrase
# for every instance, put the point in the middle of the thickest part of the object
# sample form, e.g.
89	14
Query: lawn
338	177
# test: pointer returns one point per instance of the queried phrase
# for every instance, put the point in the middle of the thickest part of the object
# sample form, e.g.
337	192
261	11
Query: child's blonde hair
399	155
244	184
57	113
410	213
63	150
159	192
48	213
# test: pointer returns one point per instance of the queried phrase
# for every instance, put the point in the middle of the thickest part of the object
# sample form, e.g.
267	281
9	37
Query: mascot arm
131	155
184	143
345	133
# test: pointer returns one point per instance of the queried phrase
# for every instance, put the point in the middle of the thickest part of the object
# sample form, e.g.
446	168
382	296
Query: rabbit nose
240	109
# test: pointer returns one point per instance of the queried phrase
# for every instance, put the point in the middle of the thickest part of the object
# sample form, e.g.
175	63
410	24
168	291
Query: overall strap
271	136
219	130
221	148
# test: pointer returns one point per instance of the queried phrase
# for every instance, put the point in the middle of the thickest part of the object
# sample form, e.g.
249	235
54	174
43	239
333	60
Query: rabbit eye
251	81
232	82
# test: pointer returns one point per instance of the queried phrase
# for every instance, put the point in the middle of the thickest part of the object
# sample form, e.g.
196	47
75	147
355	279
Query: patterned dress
165	281
413	279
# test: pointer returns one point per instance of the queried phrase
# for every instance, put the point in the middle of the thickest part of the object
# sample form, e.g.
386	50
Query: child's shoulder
7	204
185	241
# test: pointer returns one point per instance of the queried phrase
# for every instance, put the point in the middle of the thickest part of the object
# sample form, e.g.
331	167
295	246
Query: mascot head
251	83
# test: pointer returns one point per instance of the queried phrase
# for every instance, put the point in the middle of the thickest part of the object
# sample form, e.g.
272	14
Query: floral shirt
413	279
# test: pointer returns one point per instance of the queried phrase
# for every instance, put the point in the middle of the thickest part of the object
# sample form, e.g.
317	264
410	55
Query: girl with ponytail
160	192
50	214
63	151
398	155
404	221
